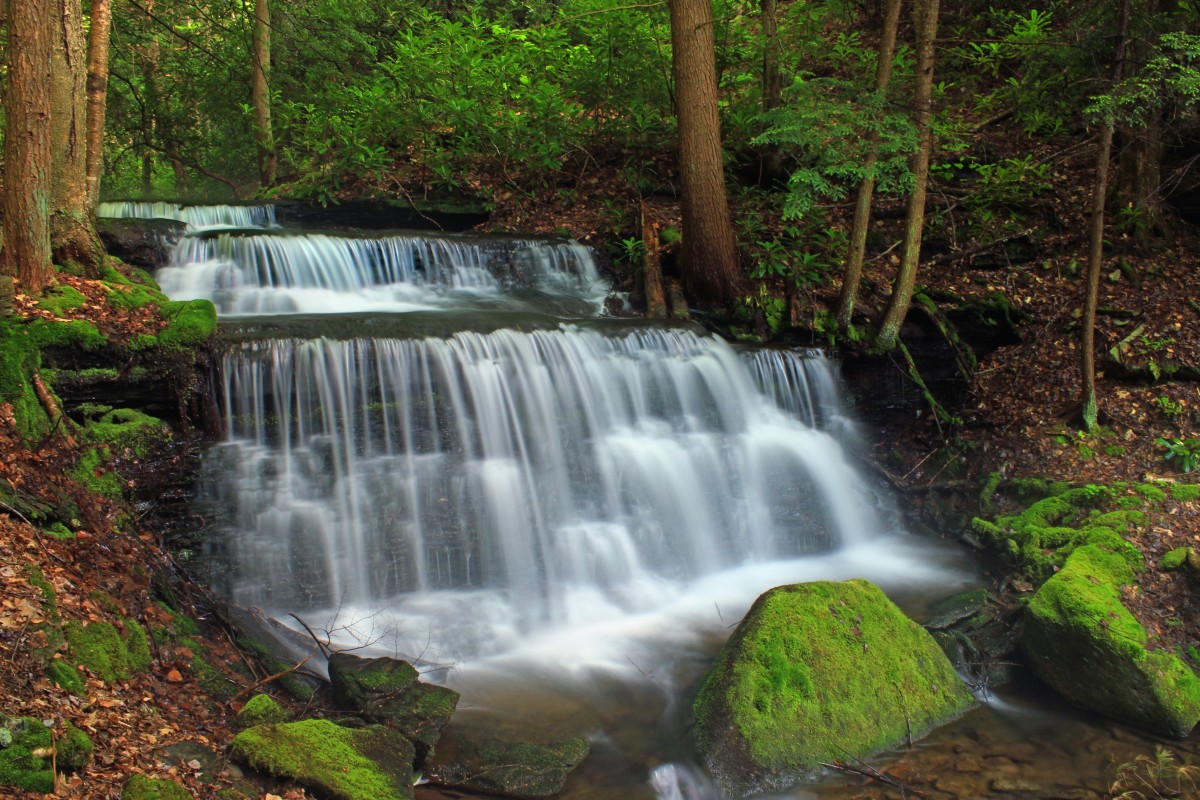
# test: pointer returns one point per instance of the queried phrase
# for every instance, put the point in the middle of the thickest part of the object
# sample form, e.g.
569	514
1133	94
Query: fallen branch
275	677
867	771
50	404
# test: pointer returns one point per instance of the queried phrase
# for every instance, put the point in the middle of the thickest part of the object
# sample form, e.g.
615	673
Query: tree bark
97	95
26	253
260	93
148	57
866	190
73	237
1087	333
772	86
926	19
652	279
708	253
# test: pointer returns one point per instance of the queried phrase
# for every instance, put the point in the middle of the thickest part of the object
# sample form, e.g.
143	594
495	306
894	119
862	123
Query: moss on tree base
819	672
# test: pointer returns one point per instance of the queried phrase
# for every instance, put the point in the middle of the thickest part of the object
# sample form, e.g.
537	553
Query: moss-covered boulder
1080	639
262	710
139	787
389	690
28	752
819	672
374	763
509	769
108	653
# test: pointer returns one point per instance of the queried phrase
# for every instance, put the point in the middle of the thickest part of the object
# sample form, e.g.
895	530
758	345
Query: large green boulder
1080	639
374	763
819	672
389	691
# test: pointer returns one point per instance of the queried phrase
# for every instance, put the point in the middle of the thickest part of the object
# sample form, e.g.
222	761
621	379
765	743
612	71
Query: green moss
1081	640
108	654
1174	559
987	493
191	322
130	296
262	710
90	471
1185	492
21	768
126	429
74	333
19	358
139	787
822	671
143	341
344	763
65	676
60	299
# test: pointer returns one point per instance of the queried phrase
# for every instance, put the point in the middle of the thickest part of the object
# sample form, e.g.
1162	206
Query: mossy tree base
819	672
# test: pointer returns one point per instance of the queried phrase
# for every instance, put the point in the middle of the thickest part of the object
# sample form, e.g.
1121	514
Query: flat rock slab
510	769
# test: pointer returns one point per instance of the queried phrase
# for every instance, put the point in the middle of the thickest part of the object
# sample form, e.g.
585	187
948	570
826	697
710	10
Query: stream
441	448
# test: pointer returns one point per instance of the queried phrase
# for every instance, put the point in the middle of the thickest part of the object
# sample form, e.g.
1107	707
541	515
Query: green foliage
1171	75
1183	453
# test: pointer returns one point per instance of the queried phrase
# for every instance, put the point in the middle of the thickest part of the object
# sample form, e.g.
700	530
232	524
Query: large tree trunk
926	19
26	253
260	93
73	237
97	95
866	190
1087	333
709	255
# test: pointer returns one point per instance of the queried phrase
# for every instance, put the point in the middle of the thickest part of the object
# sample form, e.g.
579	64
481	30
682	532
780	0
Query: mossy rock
1081	640
374	763
190	323
25	753
389	690
817	672
262	710
108	654
139	787
509	769
65	676
1174	559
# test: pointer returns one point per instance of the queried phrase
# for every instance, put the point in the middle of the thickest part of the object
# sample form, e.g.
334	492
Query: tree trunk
866	190
73	238
97	95
926	20
260	93
148	57
26	253
1087	333
709	255
772	87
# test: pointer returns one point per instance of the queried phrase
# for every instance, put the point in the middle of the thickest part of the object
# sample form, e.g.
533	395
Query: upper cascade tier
250	273
196	217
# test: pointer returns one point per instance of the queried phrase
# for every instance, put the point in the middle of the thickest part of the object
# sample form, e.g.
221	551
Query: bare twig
269	678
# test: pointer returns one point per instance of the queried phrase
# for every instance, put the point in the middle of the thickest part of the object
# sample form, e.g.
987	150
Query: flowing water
439	447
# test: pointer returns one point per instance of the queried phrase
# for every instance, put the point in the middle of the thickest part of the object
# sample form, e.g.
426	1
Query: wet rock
976	634
957	608
262	710
969	763
389	690
511	769
145	243
819	672
1014	785
1081	640
373	763
957	786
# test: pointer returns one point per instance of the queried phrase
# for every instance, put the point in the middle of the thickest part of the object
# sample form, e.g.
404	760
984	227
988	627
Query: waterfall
268	273
196	217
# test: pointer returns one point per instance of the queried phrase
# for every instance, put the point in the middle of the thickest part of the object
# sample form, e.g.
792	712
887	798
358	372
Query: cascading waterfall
315	273
525	464
196	217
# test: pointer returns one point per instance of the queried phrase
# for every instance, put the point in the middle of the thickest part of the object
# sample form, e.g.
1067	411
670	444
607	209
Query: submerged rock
389	690
372	763
511	769
1080	639
977	634
819	672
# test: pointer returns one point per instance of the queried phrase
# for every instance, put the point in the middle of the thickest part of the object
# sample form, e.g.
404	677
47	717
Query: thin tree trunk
866	190
772	85
652	279
148	57
926	14
97	95
709	254
26	253
73	238
1087	334
260	93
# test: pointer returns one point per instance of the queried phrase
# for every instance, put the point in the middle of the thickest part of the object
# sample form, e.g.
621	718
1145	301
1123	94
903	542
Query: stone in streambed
819	672
1080	639
374	763
511	769
389	691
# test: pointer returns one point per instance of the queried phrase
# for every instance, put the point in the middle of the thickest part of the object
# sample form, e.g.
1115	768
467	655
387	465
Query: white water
196	217
320	273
